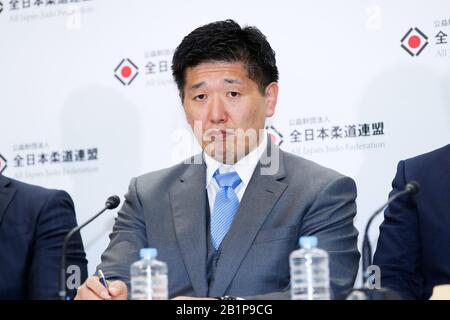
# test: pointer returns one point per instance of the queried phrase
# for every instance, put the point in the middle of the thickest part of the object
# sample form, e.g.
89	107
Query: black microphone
412	188
111	203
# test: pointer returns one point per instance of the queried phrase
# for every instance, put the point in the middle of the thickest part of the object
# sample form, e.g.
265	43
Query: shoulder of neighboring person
427	165
31	202
36	194
441	155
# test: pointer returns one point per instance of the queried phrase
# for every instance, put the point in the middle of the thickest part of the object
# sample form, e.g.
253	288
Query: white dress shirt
244	168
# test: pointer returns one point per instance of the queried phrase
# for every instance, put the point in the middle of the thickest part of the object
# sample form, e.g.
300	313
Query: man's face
226	109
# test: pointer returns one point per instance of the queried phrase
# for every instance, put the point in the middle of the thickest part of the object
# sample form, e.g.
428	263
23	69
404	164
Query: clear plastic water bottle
310	275
160	280
149	277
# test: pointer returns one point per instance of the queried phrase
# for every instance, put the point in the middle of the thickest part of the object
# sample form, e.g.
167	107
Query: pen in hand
102	278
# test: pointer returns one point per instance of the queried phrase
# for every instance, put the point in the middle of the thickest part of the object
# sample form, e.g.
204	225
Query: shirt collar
244	167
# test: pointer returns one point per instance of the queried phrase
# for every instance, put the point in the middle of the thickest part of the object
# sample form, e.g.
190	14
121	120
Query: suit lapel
188	201
6	195
259	198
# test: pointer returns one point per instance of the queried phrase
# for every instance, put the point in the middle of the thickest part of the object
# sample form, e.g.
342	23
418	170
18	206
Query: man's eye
200	97
234	94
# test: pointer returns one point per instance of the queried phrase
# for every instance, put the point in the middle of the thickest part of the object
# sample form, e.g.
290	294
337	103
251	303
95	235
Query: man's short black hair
226	41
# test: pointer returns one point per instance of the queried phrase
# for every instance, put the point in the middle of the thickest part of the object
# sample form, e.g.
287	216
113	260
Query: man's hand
92	289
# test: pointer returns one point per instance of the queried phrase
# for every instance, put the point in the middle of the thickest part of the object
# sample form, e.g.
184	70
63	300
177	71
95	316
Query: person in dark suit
413	250
33	224
226	220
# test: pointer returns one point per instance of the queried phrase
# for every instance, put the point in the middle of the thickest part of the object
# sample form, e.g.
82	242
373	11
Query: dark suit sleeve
127	238
55	219
398	252
330	219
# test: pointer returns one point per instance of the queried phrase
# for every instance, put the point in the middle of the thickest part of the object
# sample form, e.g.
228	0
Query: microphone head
112	202
412	187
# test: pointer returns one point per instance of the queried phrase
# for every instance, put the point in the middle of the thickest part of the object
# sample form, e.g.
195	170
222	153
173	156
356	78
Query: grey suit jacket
166	210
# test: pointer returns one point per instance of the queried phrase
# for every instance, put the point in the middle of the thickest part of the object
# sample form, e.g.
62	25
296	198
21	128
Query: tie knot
227	179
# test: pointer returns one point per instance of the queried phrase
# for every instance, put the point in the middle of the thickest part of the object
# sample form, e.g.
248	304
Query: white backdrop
73	118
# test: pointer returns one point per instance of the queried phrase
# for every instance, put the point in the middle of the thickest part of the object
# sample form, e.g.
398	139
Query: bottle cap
308	242
148	253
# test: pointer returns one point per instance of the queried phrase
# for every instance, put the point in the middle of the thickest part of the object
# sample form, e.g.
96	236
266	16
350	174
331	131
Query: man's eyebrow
232	81
197	85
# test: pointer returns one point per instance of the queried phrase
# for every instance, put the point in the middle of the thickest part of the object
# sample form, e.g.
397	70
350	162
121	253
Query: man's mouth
219	134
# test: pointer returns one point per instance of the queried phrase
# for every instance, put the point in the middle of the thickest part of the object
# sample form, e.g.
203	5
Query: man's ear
271	96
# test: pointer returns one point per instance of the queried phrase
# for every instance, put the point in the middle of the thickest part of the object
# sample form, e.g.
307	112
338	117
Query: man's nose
218	112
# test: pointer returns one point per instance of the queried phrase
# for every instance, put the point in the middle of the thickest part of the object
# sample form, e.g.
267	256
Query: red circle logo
126	72
414	42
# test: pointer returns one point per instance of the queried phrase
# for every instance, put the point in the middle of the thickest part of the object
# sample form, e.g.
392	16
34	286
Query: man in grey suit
226	220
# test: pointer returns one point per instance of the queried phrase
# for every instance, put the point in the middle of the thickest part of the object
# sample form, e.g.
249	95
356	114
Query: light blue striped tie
225	206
